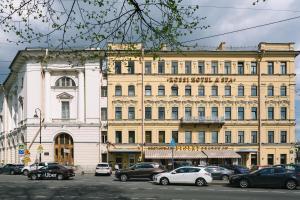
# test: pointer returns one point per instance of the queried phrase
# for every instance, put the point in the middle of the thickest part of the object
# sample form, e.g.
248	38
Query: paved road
89	187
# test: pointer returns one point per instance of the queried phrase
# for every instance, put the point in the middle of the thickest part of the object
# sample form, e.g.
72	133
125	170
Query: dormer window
65	82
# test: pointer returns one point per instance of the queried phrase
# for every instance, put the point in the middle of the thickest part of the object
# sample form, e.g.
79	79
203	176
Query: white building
70	91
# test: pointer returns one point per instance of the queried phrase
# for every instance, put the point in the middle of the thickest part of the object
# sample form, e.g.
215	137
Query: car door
53	170
215	173
279	177
263	178
191	175
135	171
146	170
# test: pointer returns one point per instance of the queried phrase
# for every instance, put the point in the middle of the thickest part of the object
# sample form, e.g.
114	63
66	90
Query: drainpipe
259	59
143	107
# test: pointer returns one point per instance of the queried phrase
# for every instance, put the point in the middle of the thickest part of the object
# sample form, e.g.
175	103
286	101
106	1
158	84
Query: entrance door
64	149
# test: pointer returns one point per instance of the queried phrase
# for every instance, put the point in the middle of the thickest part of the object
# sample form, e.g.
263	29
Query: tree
67	23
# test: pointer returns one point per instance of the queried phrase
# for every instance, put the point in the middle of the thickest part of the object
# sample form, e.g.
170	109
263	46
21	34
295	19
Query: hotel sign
187	148
200	80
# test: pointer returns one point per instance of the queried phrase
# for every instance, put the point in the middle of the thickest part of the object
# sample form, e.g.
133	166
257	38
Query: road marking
40	196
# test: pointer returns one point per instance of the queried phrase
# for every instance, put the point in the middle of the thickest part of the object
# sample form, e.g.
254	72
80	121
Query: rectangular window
270	90
104	137
283	159
241	91
241	137
201	67
161	67
131	90
253	159
148	113
188	113
175	113
270	113
131	113
227	68
148	67
188	90
201	113
227	136
227	90
188	67
161	137
283	90
214	137
118	90
161	90
253	90
148	91
254	113
240	68
148	135
188	137
283	113
270	136
118	136
103	91
65	110
241	113
283	69
253	67
214	67
214	90
103	114
130	67
161	113
175	136
254	137
214	113
227	113
118	66
174	67
131	136
201	90
270	159
174	90
283	136
201	137
270	67
118	113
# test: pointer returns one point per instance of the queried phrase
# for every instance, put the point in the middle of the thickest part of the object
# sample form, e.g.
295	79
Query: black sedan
11	169
273	177
58	172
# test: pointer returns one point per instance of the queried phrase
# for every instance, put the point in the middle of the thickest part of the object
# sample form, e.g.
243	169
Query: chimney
221	46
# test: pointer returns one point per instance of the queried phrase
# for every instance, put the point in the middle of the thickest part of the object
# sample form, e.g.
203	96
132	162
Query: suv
11	169
25	170
140	170
103	168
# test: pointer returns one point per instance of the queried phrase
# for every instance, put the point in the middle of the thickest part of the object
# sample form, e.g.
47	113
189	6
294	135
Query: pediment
64	95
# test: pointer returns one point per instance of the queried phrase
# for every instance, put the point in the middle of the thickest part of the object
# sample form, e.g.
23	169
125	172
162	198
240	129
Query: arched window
131	90
174	91
201	90
188	90
283	90
65	82
241	90
227	90
270	90
161	90
118	90
253	90
214	90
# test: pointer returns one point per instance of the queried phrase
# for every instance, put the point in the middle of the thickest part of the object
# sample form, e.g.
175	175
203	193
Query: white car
186	175
25	170
103	169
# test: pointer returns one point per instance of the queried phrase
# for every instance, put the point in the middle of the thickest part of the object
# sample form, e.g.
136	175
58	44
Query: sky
222	16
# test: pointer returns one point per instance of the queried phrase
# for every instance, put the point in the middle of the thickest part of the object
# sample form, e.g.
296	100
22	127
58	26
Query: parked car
140	170
292	167
58	172
11	169
103	169
186	175
267	177
237	169
219	173
25	170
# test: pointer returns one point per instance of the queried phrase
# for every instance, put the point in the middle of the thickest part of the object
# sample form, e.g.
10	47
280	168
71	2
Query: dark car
140	170
11	169
237	169
219	173
268	177
58	172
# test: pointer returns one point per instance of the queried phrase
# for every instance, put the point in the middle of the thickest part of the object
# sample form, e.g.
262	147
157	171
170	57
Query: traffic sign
21	146
40	149
26	160
172	143
27	152
21	151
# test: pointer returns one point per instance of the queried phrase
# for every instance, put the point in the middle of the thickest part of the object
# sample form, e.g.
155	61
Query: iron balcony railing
202	120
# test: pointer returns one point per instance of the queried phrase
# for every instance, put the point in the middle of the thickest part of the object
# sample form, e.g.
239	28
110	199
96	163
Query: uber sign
49	175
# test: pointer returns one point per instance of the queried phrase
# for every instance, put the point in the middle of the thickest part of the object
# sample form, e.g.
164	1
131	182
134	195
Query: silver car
219	173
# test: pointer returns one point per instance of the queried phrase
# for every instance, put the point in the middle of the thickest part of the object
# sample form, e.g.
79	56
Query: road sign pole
172	145
172	157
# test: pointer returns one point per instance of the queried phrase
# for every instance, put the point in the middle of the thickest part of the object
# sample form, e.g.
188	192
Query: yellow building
220	107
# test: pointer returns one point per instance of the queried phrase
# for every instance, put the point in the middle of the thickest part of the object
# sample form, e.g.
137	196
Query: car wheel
291	184
60	177
164	181
123	177
200	182
225	178
25	172
12	172
33	177
152	177
96	174
244	183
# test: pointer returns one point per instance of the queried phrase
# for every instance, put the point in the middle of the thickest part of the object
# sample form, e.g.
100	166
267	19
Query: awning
124	151
246	151
221	154
167	154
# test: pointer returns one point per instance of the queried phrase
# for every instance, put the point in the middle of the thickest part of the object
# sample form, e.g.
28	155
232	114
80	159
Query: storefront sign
200	80
187	148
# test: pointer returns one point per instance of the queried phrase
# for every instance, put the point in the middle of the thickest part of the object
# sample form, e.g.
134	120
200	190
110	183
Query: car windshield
103	165
254	172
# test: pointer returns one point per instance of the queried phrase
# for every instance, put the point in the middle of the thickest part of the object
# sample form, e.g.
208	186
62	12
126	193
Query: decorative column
47	91
80	96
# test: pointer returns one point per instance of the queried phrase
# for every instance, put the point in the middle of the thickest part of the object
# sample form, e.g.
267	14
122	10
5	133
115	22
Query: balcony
202	120
64	121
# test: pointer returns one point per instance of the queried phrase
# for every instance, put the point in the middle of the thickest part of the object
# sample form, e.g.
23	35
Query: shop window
174	67
227	67
131	136
161	137
148	67
270	159
118	136
161	67
148	135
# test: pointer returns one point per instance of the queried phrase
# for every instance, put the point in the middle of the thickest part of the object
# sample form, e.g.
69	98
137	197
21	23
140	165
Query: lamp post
38	114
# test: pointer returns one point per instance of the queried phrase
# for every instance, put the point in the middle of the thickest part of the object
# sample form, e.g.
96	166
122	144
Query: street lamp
38	114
